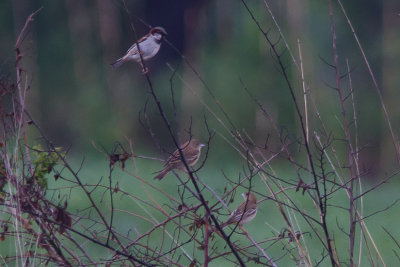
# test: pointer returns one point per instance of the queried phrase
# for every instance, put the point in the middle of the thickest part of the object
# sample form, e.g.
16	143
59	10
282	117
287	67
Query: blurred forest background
77	97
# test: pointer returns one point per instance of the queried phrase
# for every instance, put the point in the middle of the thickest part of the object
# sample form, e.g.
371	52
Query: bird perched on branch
191	151
246	211
149	46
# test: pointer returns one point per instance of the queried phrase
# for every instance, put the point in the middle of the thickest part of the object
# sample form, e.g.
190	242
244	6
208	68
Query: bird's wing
235	216
143	38
192	155
133	49
173	159
250	212
193	159
238	215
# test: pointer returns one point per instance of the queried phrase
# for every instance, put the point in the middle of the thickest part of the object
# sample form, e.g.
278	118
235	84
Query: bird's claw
145	70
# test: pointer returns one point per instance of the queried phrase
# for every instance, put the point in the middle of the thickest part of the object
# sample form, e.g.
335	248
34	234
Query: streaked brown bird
246	211
191	151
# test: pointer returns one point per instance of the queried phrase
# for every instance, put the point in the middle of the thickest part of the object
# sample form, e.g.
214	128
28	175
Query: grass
268	223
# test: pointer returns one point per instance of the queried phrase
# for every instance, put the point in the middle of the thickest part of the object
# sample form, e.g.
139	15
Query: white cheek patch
157	36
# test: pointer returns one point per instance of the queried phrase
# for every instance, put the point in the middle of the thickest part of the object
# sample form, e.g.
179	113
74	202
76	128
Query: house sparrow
191	151
149	46
248	207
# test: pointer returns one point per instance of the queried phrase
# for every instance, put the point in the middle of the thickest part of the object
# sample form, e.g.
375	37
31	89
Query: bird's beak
244	196
201	145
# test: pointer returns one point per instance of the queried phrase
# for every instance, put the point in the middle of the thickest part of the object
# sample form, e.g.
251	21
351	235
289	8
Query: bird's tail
162	174
118	63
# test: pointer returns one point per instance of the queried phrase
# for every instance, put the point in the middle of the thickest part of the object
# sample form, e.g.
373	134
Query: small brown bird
149	46
191	151
246	211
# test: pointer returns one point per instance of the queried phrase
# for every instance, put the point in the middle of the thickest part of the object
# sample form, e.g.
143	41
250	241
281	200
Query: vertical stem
21	92
345	121
322	200
350	187
206	239
378	90
352	214
304	91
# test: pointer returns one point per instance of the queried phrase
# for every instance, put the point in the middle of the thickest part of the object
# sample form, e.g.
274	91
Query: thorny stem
88	195
206	240
21	92
321	198
190	172
378	90
345	121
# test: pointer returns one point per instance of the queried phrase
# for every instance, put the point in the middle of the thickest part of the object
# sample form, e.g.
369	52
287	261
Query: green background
79	100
